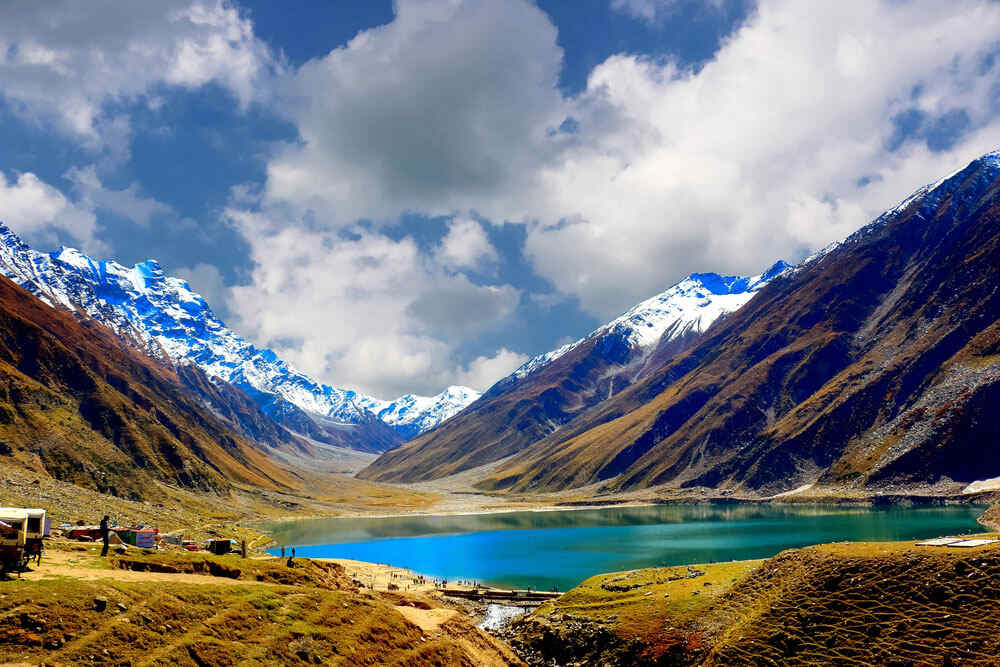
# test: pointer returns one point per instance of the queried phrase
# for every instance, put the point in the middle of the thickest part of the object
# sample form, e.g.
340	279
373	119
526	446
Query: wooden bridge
516	597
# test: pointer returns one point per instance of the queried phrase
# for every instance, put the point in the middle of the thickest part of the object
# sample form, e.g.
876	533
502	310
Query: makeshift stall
13	556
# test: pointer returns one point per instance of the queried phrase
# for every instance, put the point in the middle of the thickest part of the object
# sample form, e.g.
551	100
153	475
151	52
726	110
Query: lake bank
545	549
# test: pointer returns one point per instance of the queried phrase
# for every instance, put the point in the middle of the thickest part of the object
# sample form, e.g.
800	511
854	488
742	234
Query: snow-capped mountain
688	307
875	372
552	389
411	415
164	318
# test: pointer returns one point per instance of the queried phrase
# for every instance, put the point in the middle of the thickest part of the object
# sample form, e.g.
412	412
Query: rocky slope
873	365
80	405
165	319
551	389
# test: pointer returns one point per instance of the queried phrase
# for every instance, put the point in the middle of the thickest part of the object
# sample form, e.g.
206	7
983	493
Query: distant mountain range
872	366
164	318
552	389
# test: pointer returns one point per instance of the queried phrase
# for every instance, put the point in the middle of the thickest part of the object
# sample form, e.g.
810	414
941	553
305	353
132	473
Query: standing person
105	535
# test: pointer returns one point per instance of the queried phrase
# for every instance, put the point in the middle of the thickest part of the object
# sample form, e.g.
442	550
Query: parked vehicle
13	524
37	528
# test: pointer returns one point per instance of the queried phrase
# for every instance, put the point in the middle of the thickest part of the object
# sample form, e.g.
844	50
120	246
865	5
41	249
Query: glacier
163	317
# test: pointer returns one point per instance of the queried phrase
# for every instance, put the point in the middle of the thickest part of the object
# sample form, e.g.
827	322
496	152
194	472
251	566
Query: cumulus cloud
37	212
482	372
435	112
808	121
360	309
465	245
64	62
788	139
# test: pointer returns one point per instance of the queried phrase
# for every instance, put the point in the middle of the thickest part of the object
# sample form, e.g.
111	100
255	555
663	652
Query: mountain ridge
869	366
79	403
161	316
551	389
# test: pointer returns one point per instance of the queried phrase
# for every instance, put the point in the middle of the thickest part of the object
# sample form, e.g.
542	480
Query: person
105	535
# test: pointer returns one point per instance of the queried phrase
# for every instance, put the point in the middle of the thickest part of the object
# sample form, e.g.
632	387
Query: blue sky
401	196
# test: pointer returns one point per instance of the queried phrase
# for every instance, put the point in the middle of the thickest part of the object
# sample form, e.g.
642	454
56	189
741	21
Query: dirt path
428	620
86	566
91	574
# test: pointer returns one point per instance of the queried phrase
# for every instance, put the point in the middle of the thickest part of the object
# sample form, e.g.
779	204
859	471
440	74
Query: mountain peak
162	315
687	307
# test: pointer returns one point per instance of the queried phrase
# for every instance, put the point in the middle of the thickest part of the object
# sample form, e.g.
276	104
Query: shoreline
985	498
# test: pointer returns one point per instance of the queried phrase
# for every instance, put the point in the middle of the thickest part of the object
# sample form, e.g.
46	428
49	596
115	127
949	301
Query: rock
121	607
29	622
100	604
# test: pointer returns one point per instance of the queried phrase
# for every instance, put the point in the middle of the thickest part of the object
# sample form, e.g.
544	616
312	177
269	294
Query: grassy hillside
846	603
251	612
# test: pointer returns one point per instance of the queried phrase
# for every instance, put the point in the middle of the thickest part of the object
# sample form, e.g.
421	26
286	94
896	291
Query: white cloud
435	112
360	310
761	153
465	245
482	372
62	62
127	203
777	146
37	212
653	11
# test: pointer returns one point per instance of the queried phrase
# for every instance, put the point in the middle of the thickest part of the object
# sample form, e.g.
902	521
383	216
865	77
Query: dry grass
837	604
865	604
638	602
298	616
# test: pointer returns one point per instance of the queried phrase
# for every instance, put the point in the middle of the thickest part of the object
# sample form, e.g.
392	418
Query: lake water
562	548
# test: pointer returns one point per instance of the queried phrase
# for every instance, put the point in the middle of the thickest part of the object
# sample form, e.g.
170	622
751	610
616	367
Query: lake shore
532	548
460	505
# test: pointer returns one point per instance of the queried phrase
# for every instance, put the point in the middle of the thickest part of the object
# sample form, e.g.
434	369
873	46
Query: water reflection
349	530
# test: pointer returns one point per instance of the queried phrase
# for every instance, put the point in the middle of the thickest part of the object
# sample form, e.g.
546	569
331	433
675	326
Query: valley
699	446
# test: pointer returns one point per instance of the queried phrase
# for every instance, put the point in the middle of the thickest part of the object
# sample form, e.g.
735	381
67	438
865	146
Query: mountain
85	407
412	415
550	390
873	366
165	319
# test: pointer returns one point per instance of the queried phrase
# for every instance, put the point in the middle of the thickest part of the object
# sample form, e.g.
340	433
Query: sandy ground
428	620
83	565
379	576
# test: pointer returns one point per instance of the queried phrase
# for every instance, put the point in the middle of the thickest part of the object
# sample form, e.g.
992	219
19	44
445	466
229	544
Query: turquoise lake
562	548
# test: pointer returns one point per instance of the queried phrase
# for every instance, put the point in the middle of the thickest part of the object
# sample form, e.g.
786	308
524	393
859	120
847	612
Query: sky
399	196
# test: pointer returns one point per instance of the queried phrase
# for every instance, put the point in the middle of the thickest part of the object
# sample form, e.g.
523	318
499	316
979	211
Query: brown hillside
517	412
839	604
78	403
873	366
